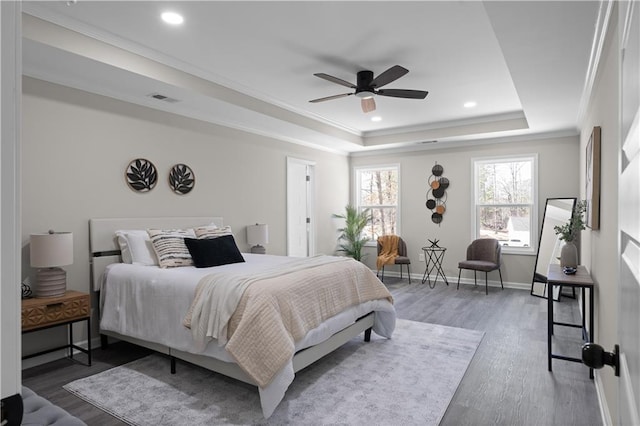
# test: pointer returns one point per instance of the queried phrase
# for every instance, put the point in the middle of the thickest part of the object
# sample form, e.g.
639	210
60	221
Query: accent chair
483	254
392	250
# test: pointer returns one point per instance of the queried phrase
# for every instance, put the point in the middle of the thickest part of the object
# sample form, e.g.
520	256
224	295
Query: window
378	189
505	201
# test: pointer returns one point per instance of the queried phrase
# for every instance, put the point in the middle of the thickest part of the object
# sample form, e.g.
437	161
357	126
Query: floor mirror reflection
557	211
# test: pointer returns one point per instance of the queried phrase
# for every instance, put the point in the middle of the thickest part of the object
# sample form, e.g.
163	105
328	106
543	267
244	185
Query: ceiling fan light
365	94
368	104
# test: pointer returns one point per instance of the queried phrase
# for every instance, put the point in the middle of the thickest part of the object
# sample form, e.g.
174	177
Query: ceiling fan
367	86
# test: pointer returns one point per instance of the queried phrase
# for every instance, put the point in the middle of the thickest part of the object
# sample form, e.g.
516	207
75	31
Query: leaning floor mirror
557	211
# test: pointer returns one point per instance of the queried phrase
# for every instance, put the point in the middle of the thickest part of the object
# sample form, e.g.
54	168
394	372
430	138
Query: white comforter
150	303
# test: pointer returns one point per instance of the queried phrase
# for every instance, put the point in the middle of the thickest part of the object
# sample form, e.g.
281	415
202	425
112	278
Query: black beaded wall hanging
437	194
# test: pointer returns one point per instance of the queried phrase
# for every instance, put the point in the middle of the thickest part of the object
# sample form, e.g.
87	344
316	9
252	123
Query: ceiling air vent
163	98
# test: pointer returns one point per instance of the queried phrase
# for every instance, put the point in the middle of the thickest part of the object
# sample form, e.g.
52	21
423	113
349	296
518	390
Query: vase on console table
569	255
569	232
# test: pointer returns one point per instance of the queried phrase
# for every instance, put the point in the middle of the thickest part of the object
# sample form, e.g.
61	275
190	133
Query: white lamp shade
51	250
258	234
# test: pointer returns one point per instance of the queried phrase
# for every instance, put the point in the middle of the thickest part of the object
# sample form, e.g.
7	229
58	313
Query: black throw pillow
209	252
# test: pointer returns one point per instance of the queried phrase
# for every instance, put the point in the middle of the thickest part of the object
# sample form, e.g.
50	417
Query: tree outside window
505	201
377	188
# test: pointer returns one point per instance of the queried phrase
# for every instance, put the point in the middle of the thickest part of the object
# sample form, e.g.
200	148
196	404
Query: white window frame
357	188
533	226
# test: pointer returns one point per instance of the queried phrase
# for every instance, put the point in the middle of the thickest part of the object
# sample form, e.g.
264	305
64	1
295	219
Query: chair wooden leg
459	272
408	273
500	272
475	281
382	279
486	283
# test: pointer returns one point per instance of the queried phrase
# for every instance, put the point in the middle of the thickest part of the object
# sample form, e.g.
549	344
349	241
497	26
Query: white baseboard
602	401
59	354
43	359
417	278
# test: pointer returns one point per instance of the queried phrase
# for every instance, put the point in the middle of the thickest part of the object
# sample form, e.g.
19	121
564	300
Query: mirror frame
539	281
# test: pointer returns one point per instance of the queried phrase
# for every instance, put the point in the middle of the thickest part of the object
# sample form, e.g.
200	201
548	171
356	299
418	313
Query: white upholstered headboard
103	244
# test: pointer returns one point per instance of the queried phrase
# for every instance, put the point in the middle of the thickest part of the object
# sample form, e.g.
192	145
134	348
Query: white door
300	223
629	219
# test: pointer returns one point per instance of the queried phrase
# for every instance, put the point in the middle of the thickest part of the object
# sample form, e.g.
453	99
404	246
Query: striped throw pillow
170	247
212	231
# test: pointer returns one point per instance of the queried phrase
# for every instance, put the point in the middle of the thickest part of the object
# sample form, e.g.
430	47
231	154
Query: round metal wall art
437	194
141	175
181	179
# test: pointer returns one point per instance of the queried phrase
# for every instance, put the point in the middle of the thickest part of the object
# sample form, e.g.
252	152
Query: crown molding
605	14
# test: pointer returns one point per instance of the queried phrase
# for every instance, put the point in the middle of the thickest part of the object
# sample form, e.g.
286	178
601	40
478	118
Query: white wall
10	71
558	166
599	247
76	147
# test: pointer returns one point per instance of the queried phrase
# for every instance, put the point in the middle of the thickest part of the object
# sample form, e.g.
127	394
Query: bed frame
105	250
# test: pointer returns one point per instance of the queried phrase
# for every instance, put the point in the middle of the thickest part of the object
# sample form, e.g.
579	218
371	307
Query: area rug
409	379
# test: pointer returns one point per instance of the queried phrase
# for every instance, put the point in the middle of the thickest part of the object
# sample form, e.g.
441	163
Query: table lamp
49	252
257	236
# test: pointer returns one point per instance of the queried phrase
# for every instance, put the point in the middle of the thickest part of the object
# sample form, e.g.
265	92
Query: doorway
300	207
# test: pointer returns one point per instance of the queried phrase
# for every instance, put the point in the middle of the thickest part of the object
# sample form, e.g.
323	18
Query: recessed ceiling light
376	118
172	18
470	104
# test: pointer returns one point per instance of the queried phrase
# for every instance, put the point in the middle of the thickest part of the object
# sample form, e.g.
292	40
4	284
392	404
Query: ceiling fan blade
368	104
328	98
402	93
335	80
392	74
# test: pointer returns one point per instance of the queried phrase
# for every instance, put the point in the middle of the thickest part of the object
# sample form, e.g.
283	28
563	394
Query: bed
159	308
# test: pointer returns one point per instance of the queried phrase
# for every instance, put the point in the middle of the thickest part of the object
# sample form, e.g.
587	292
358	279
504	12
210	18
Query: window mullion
376	186
498	181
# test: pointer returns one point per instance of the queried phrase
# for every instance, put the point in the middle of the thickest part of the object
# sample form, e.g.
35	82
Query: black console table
581	279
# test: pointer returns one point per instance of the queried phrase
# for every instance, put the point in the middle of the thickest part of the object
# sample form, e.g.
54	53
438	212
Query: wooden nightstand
42	313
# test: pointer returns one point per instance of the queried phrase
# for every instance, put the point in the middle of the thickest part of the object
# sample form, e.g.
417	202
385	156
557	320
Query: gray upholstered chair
401	259
484	254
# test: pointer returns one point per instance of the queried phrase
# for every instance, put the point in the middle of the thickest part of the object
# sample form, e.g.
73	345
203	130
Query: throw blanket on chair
388	250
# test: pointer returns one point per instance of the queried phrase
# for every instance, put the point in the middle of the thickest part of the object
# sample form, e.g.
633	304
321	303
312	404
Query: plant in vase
350	239
569	232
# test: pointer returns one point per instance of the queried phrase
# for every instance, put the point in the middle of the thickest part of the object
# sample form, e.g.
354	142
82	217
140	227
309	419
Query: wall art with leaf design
141	175
181	179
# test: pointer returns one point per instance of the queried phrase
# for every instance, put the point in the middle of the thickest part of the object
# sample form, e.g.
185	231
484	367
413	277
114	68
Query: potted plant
569	232
350	239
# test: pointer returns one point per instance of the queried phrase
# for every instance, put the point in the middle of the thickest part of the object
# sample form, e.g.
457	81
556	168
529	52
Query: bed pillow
212	231
170	248
218	251
135	247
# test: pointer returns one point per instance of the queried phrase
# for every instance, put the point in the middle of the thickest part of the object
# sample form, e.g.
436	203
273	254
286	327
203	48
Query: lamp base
258	249
51	282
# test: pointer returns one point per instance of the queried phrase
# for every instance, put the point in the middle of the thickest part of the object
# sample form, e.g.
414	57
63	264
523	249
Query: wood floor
507	382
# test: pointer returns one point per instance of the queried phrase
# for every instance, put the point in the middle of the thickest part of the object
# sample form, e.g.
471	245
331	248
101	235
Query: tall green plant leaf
350	239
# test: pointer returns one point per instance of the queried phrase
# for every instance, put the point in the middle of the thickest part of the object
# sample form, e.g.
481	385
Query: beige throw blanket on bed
277	308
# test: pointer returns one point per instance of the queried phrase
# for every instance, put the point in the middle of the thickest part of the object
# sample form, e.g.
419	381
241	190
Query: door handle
594	356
